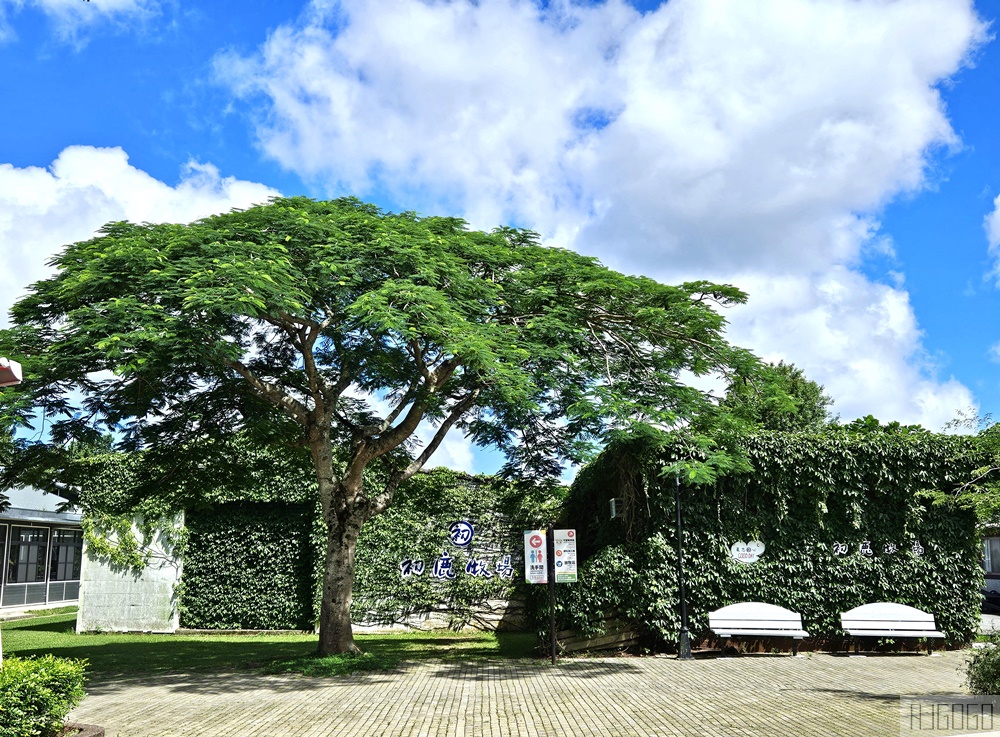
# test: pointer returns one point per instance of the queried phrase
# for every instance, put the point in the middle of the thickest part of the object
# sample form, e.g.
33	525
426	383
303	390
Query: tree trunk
335	633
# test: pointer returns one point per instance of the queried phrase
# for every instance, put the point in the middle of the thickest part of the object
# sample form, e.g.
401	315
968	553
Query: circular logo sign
535	541
460	533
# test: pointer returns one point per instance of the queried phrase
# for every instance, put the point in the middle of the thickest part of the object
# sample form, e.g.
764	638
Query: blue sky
837	159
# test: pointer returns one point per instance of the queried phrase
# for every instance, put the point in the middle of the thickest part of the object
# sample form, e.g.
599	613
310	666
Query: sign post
550	558
684	641
552	593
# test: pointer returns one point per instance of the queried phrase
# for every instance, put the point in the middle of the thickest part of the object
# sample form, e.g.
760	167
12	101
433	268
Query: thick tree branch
277	396
380	502
460	408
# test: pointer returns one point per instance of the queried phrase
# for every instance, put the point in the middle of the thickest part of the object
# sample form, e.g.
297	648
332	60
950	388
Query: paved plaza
750	696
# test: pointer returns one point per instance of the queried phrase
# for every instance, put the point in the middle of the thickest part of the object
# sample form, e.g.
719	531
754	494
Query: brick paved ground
750	696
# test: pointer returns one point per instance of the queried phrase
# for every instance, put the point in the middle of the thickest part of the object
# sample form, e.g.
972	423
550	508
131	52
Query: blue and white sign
444	566
461	533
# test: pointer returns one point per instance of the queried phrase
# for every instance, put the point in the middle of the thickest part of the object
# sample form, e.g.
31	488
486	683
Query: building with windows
41	551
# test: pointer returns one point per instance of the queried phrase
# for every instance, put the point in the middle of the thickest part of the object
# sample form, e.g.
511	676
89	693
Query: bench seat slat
735	632
893	633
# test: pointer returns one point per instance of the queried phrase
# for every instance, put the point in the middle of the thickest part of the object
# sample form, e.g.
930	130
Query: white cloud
861	340
84	188
71	17
992	226
748	142
994	352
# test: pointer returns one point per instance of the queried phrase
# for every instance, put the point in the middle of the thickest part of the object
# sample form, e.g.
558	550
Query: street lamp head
10	372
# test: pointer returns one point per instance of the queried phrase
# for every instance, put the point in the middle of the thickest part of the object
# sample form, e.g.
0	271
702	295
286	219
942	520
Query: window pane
67	553
992	545
26	563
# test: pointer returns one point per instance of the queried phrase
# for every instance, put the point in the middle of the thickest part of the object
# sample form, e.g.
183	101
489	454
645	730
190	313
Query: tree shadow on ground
153	656
234	682
887	699
520	670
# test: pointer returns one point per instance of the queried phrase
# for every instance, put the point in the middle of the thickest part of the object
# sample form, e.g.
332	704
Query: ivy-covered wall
488	573
249	565
813	500
257	565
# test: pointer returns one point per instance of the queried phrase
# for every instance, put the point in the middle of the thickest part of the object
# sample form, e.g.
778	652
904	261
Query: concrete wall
115	600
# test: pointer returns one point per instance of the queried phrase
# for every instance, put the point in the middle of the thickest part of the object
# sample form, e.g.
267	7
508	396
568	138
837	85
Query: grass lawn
112	655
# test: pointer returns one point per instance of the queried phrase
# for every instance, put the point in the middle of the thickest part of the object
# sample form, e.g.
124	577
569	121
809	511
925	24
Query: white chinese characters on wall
460	534
867	548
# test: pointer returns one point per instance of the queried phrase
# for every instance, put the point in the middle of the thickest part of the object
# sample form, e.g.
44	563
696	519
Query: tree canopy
778	396
353	332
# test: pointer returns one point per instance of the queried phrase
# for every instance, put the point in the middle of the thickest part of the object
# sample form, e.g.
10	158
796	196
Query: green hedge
249	565
36	694
804	494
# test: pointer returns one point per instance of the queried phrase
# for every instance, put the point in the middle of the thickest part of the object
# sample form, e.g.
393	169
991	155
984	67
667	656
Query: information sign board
565	552
536	568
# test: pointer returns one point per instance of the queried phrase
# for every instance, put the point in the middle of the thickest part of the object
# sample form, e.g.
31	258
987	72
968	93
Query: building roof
16	514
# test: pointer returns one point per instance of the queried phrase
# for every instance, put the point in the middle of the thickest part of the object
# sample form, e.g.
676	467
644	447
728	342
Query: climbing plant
848	516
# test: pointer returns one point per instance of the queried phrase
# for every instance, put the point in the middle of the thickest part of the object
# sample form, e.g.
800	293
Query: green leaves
36	694
799	493
358	328
296	301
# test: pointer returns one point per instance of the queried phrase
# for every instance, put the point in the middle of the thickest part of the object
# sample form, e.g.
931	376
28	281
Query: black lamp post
684	642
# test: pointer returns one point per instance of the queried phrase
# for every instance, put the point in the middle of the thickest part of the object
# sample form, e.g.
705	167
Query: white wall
35	499
113	600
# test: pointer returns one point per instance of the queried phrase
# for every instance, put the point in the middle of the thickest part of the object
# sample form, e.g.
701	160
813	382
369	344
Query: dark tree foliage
778	396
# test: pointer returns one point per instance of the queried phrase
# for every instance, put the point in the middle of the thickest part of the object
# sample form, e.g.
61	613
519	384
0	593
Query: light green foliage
281	319
982	674
778	397
801	494
36	694
979	489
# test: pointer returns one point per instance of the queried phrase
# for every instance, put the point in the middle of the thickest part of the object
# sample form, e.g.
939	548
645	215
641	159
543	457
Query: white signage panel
565	552
536	569
747	552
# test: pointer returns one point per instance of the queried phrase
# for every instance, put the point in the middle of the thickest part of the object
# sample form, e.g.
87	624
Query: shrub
982	674
36	694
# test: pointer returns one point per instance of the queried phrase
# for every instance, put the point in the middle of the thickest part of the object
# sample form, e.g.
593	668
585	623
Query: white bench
756	619
885	619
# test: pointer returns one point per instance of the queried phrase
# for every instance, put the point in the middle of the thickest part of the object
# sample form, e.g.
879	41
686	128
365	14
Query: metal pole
684	642
550	566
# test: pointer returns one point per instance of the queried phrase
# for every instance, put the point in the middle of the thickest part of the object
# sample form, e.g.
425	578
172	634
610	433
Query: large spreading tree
356	332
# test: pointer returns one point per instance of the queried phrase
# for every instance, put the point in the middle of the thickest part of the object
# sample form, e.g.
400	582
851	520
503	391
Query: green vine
806	496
